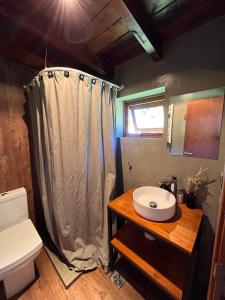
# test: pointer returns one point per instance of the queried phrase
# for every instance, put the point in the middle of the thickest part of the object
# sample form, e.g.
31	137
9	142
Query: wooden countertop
180	231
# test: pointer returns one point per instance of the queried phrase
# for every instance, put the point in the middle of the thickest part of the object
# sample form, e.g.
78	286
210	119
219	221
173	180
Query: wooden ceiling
96	35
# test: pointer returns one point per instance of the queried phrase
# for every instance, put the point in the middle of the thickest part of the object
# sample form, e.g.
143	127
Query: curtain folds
73	127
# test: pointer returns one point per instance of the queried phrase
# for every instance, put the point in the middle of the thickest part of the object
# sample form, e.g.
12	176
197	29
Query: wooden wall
15	162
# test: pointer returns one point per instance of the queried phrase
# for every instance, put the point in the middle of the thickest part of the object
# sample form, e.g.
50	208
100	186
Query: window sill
145	135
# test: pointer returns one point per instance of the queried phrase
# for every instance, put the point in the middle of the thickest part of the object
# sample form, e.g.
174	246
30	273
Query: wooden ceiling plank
175	9
21	55
139	23
12	46
122	41
102	22
109	36
185	18
96	18
125	48
52	8
33	44
106	25
81	55
155	6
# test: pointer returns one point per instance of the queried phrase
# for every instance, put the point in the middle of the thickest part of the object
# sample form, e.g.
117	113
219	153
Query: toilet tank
13	208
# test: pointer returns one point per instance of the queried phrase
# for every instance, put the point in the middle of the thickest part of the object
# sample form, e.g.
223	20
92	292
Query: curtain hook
81	77
50	74
93	81
66	74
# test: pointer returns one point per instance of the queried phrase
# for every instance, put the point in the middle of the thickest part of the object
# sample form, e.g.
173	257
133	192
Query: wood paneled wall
15	162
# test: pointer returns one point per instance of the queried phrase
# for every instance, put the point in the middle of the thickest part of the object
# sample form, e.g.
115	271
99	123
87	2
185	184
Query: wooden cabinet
168	260
202	130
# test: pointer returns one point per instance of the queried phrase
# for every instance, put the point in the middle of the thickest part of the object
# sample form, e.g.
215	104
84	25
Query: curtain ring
40	77
93	81
81	77
50	74
66	74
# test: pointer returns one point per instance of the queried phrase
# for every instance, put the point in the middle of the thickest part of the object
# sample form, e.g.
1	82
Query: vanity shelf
166	266
168	260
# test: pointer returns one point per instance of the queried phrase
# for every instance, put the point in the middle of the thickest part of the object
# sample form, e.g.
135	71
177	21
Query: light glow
70	19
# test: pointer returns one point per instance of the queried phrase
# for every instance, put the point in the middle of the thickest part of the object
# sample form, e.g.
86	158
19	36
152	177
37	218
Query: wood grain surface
15	163
181	231
165	266
94	285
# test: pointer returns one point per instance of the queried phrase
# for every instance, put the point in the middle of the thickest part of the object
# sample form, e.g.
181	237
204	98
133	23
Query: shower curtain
73	128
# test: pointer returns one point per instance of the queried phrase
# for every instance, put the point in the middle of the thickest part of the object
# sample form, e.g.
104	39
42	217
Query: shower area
73	130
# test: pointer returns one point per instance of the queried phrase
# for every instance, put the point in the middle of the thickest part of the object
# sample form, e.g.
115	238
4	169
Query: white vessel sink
154	203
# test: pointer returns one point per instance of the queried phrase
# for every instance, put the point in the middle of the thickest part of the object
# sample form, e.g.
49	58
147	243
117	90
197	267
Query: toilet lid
18	243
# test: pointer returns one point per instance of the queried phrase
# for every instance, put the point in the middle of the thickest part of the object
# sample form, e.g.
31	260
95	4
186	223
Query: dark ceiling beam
81	55
139	23
180	17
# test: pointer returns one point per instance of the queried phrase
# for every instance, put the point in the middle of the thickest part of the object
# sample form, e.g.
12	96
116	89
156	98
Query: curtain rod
82	72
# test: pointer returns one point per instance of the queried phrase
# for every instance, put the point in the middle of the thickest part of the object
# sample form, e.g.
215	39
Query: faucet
165	184
173	186
170	185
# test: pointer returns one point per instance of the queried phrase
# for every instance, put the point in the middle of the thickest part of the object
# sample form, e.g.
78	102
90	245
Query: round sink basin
153	203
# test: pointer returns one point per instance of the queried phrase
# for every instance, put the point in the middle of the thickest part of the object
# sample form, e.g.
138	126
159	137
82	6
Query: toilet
20	242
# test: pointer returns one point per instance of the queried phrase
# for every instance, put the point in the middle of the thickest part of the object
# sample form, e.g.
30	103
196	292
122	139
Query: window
145	118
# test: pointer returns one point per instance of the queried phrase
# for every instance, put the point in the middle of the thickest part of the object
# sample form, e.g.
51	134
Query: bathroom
186	62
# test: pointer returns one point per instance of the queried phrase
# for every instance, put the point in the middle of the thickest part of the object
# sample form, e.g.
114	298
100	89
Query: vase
191	200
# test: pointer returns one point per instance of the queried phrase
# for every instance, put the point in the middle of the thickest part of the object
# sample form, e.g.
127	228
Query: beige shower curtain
73	127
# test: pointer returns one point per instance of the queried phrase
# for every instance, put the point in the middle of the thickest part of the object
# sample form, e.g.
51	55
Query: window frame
152	101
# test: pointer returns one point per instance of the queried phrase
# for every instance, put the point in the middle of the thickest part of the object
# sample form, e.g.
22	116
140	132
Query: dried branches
194	182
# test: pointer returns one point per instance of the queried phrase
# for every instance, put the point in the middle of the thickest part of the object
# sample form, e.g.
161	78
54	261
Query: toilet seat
18	244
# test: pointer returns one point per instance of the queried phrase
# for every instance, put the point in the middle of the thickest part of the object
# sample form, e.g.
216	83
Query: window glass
145	119
151	117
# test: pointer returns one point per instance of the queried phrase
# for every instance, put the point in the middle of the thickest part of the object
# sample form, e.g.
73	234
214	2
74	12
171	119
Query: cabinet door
202	130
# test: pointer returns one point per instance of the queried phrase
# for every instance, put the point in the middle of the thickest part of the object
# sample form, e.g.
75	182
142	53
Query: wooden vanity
169	260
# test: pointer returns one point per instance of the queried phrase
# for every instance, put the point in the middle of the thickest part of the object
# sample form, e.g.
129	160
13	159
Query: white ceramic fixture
20	243
154	203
